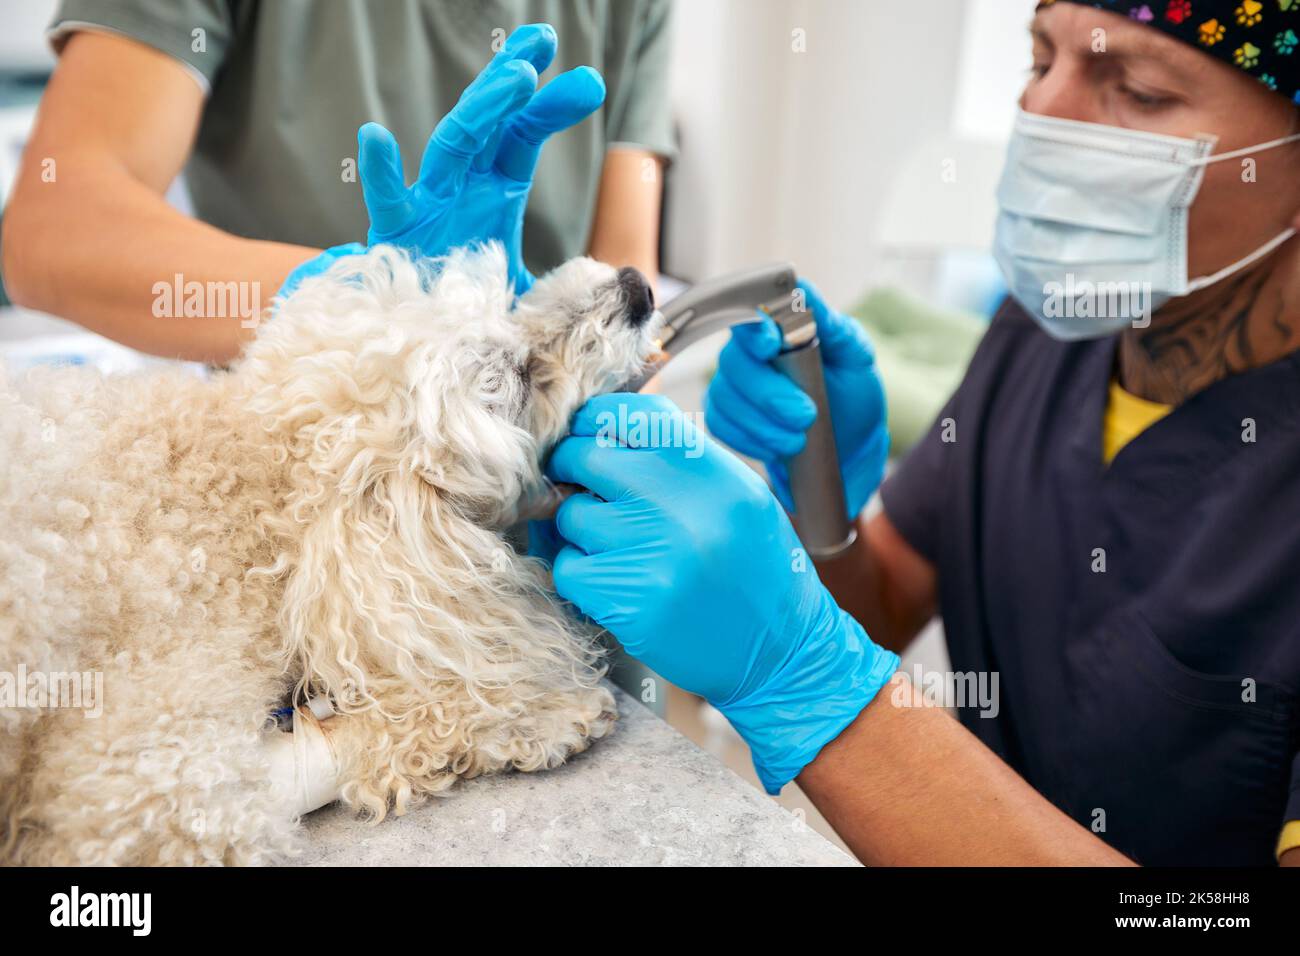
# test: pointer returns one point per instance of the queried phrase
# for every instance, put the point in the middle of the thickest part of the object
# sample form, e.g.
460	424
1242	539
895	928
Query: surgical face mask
1092	222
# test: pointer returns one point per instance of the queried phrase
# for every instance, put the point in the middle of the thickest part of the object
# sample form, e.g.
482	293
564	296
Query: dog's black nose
638	299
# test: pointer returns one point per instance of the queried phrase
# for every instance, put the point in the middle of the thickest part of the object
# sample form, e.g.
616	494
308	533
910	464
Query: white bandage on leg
304	768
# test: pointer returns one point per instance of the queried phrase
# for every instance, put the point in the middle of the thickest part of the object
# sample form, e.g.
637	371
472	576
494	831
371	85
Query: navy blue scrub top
1158	697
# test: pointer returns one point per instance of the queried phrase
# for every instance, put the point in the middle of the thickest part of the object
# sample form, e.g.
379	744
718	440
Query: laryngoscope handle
816	484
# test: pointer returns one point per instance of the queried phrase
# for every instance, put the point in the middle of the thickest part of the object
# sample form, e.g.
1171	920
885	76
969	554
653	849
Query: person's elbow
37	233
20	251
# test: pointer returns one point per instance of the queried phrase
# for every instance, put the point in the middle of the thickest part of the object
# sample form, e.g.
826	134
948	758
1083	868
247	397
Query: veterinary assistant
1106	513
260	103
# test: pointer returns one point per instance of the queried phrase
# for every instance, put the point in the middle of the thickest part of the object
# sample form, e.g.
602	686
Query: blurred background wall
859	138
21	44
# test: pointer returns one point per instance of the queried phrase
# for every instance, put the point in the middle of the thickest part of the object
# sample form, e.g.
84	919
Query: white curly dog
324	520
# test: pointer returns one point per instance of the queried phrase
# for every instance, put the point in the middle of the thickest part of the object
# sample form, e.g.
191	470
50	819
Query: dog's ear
370	606
473	444
403	511
398	604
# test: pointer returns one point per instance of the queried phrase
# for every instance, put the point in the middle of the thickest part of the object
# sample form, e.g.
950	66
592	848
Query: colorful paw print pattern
1261	37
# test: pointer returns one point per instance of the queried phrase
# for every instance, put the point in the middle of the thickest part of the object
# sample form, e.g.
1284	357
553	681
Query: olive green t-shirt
288	83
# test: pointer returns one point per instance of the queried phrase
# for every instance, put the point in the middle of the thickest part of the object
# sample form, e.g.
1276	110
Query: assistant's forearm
625	230
105	251
906	785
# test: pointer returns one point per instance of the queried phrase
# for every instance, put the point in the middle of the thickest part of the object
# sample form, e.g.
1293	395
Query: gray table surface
643	796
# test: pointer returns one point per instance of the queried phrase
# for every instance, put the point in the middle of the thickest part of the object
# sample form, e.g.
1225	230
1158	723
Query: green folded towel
922	352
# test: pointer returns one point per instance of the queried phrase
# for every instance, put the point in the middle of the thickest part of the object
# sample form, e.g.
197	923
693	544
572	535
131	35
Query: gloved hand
478	166
761	413
317	265
684	555
544	539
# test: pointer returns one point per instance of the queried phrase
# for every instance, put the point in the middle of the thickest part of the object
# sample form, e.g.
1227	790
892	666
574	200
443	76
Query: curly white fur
326	518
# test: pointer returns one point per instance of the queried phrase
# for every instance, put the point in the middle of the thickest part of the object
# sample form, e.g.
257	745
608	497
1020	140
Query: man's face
1099	67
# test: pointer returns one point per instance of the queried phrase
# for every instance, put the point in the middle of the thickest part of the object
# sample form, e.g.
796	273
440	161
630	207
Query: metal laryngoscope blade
816	485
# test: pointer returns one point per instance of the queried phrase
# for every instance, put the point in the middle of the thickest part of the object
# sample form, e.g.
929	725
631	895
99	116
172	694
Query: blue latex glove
761	413
478	166
684	555
544	539
317	265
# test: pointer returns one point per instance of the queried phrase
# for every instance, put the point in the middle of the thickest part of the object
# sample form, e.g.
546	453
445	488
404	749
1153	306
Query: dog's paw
567	726
605	715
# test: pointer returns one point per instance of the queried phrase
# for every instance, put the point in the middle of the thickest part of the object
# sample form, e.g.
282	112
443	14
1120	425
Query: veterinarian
1106	514
260	104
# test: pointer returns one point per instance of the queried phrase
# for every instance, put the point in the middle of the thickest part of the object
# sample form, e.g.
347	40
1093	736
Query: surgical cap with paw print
1261	37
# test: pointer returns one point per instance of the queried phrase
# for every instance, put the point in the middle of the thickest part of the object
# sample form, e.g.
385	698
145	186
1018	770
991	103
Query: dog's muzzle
638	299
